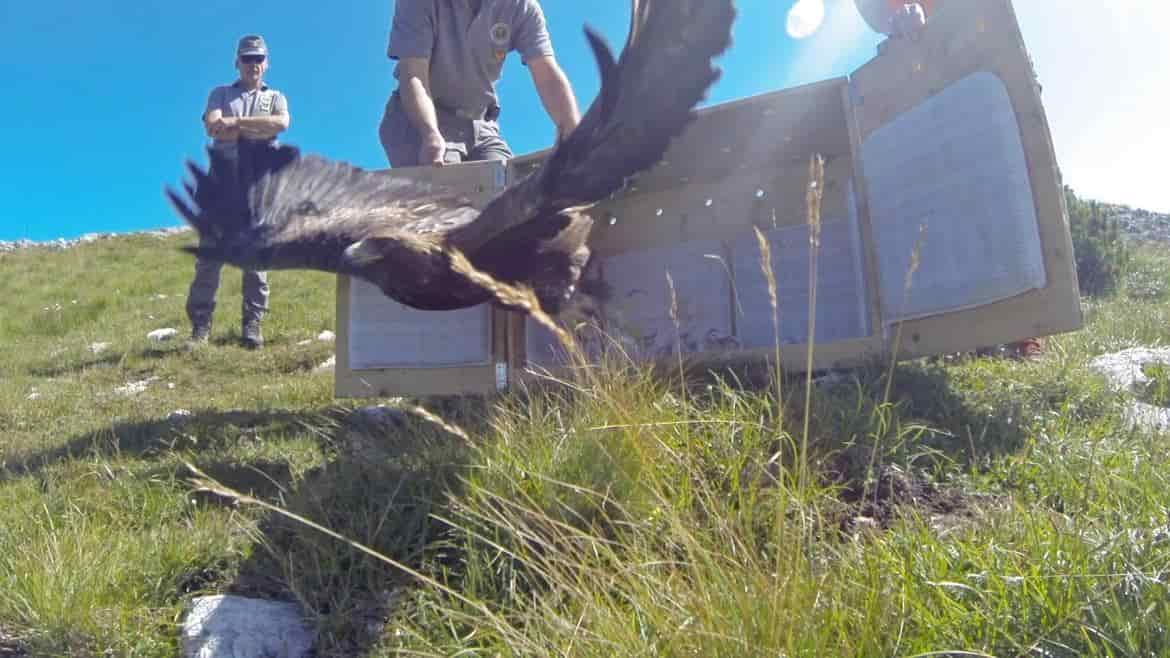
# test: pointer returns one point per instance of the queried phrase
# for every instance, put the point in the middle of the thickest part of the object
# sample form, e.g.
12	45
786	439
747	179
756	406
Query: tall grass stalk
882	410
774	304
907	285
814	196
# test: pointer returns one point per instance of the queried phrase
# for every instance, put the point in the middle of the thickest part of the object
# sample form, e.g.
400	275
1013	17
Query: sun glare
805	17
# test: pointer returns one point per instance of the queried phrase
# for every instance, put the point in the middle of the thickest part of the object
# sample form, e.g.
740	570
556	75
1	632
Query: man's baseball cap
252	44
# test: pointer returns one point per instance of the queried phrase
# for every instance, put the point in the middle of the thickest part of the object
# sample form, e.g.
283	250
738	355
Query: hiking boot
200	333
252	338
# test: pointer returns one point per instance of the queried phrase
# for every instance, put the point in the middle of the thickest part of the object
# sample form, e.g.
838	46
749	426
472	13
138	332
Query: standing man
241	118
450	54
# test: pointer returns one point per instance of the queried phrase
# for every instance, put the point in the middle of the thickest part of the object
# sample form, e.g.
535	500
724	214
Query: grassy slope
990	506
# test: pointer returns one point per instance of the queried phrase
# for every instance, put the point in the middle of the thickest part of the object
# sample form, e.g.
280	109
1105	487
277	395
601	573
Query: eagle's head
556	279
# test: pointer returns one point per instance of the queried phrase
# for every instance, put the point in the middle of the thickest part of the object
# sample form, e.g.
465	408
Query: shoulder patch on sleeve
501	35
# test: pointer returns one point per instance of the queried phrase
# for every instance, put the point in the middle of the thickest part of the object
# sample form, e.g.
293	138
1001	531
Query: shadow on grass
58	369
885	455
387	475
968	428
384	475
204	430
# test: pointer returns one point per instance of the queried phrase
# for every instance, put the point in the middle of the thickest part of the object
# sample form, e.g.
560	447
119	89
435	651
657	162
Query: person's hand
566	128
253	133
431	151
225	128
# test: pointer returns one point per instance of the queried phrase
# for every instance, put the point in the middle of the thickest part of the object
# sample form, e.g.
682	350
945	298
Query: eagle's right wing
647	98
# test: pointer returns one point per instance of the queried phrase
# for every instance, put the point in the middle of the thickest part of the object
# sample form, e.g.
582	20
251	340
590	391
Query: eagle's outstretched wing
305	212
647	98
311	213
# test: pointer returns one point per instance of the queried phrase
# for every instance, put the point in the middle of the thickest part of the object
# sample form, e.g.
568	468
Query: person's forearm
211	122
557	96
420	107
263	126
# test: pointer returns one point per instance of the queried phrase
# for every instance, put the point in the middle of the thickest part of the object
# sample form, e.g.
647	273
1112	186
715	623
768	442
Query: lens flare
805	17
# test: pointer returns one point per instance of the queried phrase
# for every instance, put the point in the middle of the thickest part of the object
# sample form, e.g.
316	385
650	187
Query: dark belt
491	113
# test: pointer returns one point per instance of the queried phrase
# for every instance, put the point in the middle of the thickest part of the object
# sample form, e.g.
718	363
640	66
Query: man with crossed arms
240	117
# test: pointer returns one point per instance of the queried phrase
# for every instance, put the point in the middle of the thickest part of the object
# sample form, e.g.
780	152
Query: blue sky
102	99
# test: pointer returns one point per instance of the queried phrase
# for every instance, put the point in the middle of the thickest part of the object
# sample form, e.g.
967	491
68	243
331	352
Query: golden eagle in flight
307	212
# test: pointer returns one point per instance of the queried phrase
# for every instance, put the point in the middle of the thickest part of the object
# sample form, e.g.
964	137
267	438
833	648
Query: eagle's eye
307	207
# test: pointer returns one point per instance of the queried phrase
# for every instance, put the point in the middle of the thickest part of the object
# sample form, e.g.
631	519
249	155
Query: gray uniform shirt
235	101
467	50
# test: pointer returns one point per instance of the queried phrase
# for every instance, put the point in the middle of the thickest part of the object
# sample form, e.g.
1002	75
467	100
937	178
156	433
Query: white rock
326	336
237	627
98	348
1141	414
134	388
1123	370
160	335
328	365
381	414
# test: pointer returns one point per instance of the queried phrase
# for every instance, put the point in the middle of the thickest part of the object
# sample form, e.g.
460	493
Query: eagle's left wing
307	212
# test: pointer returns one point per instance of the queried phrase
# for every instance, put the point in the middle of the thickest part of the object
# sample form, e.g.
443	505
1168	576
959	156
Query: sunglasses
252	59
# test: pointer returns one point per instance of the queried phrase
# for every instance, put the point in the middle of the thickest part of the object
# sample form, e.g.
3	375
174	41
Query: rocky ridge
1136	224
61	244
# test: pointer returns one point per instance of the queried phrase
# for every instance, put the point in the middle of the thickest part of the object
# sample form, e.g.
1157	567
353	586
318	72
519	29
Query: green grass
987	507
